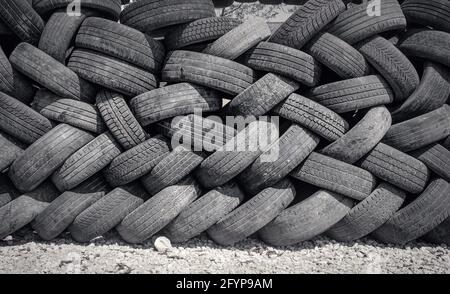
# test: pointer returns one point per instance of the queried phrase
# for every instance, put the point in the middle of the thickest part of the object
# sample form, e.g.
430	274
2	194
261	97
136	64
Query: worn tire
353	94
174	100
432	13
362	138
336	176
437	158
392	65
120	120
338	56
44	156
110	8
61	213
355	24
210	71
10	151
151	217
86	162
104	215
313	116
122	42
111	72
419	217
262	96
20	121
286	61
306	22
420	131
253	214
368	215
136	162
204	213
200	31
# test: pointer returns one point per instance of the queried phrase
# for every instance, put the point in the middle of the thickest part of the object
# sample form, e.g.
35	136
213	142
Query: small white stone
9	238
162	244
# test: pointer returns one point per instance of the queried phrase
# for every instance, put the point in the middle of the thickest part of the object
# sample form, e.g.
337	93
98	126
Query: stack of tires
91	102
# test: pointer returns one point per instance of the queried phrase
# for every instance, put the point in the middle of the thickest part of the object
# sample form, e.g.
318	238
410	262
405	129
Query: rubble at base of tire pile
87	101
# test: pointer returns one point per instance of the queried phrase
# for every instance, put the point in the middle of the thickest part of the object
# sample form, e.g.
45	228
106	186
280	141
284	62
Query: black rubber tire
59	32
151	217
362	138
291	149
440	234
396	168
136	162
7	190
20	17
104	215
46	71
239	40
110	8
313	116
430	45
72	112
6	74
197	133
286	61
430	13
420	131
437	158
306	22
262	96
174	100
368	215
122	42
235	156
355	24
254	214
432	93
353	94
210	71
18	213
10	151
20	121
120	120
86	162
48	153
419	217
94	184
171	169
151	15
111	73
199	31
338	56
58	216
307	219
392	65
336	176
204	213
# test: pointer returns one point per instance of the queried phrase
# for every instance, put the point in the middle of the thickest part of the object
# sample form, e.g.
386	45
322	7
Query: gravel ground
27	254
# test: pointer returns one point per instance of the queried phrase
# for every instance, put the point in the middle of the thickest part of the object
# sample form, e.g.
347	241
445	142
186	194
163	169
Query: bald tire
336	176
120	120
58	216
151	217
18	213
104	215
204	213
20	121
46	155
313	116
86	162
396	168
307	219
368	215
253	215
362	138
418	218
353	94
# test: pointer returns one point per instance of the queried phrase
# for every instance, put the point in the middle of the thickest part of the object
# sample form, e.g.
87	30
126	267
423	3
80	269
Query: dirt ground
27	254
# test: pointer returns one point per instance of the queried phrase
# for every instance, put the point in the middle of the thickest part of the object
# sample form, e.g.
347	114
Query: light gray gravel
27	254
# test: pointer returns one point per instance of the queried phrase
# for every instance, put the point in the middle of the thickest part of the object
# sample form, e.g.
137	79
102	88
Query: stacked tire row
90	104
